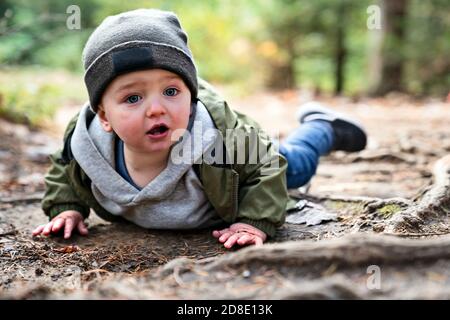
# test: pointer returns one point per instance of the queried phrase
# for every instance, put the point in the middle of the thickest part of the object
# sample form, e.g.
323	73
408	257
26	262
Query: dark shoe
349	135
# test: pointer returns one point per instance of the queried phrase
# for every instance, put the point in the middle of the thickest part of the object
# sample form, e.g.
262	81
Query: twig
176	276
28	198
8	233
411	234
96	271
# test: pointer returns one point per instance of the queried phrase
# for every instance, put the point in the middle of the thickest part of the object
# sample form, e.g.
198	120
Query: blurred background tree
322	45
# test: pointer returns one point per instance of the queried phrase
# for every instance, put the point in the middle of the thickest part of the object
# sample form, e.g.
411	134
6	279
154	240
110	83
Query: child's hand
240	233
68	220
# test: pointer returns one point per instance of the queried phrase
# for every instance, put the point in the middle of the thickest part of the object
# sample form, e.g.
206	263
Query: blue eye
133	99
171	92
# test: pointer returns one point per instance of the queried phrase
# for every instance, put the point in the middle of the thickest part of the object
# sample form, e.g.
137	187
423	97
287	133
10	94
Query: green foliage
29	104
427	48
245	42
35	101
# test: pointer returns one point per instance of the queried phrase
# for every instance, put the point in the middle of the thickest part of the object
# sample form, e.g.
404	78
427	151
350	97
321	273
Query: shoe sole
336	118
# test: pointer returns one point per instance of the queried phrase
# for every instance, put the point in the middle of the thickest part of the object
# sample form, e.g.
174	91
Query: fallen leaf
68	249
310	213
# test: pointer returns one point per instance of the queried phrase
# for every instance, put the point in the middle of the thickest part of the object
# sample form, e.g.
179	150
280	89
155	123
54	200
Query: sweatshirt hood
93	149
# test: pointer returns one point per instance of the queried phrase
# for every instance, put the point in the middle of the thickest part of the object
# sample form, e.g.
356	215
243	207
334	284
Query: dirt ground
370	195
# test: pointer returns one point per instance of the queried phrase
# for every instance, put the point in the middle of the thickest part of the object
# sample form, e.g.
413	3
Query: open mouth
158	130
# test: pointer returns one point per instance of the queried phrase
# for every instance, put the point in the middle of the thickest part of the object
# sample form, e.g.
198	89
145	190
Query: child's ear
103	120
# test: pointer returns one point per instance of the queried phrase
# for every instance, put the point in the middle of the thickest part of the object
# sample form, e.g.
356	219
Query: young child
144	98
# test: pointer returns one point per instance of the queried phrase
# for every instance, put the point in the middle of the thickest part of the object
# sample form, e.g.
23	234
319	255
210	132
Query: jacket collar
224	118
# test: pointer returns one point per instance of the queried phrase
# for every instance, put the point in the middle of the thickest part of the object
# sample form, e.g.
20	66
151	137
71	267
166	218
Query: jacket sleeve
59	195
263	194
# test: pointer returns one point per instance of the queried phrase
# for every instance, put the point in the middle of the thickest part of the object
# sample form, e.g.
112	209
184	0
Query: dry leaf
68	249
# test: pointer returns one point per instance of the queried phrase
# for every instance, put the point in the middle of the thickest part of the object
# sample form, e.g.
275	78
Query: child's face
144	108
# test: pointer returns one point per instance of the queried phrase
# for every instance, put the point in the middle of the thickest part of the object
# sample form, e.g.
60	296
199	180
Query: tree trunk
282	74
390	50
340	51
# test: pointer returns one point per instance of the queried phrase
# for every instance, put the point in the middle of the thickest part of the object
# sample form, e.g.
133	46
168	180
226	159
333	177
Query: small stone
39	272
378	228
246	273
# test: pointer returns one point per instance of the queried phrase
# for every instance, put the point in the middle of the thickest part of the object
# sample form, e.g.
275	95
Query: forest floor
376	221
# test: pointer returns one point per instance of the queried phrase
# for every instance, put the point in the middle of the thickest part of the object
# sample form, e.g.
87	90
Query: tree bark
340	51
390	50
431	209
282	74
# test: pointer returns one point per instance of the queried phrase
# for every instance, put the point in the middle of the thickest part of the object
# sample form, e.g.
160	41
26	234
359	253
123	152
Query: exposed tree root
294	270
351	250
433	207
383	155
370	204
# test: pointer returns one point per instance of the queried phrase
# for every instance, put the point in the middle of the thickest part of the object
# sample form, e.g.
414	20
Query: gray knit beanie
136	40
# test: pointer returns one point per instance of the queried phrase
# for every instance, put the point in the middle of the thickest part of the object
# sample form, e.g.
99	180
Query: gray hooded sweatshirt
175	199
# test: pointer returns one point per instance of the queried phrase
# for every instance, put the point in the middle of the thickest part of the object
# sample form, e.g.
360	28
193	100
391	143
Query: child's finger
258	241
38	230
224	237
68	228
244	239
57	225
47	228
218	233
82	228
231	241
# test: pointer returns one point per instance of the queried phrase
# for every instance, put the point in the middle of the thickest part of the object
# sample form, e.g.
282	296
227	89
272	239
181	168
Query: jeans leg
303	148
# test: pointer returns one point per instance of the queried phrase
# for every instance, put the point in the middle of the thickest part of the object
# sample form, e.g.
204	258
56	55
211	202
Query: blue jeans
303	148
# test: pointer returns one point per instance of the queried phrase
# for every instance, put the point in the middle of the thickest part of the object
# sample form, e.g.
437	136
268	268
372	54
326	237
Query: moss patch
389	210
344	206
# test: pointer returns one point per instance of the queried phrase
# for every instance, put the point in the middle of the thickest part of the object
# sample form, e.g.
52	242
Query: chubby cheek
127	126
180	121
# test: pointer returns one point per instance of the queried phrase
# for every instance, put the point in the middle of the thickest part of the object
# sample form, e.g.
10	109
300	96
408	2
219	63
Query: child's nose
155	108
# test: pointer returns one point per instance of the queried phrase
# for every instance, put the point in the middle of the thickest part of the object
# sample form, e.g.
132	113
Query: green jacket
238	192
